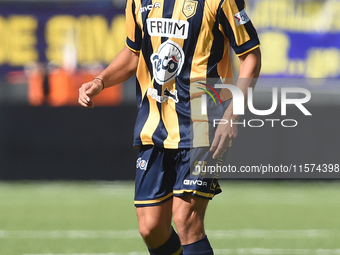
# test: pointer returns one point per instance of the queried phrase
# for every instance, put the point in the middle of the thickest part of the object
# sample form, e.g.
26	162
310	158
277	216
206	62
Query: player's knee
152	230
145	232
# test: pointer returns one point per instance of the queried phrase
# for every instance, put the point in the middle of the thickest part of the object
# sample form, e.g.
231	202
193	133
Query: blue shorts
164	173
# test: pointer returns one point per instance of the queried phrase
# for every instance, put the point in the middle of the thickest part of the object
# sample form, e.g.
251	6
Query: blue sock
200	247
171	247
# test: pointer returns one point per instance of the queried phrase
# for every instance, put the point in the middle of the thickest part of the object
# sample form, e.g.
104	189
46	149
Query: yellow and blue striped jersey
182	43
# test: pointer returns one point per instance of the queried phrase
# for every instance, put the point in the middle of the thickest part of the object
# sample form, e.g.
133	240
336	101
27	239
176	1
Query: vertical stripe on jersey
153	115
153	119
133	29
169	114
130	20
200	128
203	47
230	8
143	113
143	74
224	67
139	17
187	76
162	132
225	70
143	79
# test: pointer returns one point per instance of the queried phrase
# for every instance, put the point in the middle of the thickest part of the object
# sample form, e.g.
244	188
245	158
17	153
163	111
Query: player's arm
120	69
250	65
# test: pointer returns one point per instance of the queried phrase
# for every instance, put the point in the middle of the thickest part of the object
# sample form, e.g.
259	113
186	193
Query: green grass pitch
98	218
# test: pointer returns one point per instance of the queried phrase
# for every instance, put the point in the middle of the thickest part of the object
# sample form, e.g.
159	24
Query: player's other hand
224	135
89	90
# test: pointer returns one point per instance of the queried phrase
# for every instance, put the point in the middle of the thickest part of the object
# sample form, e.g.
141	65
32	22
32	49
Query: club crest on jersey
167	62
189	8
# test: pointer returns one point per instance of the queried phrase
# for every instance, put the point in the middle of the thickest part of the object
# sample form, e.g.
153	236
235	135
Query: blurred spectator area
65	3
49	47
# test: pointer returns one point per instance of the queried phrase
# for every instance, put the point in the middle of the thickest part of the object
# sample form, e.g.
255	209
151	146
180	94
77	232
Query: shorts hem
153	202
179	193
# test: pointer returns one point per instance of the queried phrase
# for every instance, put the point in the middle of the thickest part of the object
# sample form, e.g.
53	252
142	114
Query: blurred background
62	166
48	48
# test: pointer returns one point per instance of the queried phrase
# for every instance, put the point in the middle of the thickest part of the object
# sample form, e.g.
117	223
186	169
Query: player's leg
189	214
154	223
193	190
155	177
156	230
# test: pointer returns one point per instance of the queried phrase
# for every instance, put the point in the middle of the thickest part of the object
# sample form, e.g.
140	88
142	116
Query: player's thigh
155	176
155	223
188	217
153	217
189	208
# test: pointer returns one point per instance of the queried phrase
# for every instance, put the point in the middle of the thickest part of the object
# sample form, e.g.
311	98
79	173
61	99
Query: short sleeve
133	31
237	27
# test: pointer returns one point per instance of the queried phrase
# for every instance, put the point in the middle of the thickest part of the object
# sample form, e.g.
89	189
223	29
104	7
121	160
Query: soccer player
176	48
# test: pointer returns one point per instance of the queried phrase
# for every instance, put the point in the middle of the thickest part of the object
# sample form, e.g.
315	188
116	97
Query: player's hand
89	90
224	135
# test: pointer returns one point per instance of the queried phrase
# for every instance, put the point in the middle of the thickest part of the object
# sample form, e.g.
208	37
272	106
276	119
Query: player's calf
171	247
200	247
